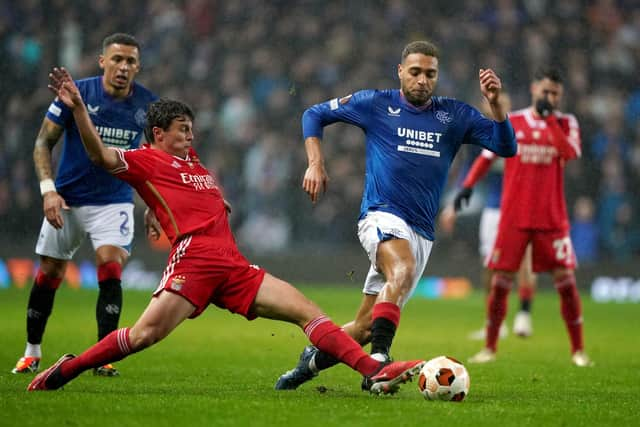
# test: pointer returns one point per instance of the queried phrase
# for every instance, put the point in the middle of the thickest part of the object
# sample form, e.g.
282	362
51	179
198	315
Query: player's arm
52	202
568	145
352	109
63	86
315	177
503	139
491	87
478	170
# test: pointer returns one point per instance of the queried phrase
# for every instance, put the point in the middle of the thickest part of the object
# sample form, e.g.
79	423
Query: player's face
120	63
177	139
418	76
546	88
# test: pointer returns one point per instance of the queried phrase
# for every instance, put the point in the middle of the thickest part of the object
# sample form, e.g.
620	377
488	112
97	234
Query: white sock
380	357
33	350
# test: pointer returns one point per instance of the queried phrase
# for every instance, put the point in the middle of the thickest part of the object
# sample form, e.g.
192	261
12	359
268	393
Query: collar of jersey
187	159
412	108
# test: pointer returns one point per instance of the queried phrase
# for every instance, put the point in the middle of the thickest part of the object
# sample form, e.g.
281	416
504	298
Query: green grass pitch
220	369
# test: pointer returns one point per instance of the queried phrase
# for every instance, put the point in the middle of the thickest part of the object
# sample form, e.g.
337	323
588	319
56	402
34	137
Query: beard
416	98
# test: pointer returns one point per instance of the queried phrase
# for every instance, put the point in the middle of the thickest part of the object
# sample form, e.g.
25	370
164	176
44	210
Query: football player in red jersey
205	266
533	211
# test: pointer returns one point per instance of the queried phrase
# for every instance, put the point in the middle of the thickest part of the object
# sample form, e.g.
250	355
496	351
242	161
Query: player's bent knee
53	267
143	337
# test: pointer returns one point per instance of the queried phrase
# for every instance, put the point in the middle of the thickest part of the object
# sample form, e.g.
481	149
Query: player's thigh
508	251
552	250
391	243
62	243
109	225
277	299
378	227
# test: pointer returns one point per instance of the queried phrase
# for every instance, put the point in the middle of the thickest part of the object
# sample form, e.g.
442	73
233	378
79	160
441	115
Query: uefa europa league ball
444	378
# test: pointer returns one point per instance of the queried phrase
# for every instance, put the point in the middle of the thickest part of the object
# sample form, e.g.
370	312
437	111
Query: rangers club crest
443	117
141	118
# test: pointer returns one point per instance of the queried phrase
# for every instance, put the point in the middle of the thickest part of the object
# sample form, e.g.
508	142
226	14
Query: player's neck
422	106
116	92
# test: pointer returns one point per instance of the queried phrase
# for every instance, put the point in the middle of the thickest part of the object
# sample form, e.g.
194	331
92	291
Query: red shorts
204	271
550	249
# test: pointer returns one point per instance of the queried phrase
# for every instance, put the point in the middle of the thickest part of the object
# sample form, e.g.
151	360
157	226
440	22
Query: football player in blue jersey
412	137
84	199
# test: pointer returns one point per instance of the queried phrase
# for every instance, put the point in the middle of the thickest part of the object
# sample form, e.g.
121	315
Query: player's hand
62	85
151	225
52	205
490	85
544	107
447	219
315	181
462	198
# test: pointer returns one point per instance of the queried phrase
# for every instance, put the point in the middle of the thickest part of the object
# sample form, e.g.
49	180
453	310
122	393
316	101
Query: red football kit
205	265
533	207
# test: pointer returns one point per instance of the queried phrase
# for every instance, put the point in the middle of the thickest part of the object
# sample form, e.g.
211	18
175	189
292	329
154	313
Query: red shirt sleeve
479	168
138	165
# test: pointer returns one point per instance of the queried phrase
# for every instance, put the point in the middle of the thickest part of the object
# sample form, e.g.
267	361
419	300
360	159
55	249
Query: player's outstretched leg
115	346
388	379
51	378
304	371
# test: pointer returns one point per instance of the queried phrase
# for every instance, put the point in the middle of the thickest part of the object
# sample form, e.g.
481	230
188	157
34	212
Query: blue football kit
409	150
119	122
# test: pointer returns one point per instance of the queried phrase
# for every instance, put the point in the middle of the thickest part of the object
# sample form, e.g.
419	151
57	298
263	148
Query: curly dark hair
162	112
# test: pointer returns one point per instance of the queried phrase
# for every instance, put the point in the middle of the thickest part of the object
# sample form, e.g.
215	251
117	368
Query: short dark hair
120	38
162	112
551	73
420	46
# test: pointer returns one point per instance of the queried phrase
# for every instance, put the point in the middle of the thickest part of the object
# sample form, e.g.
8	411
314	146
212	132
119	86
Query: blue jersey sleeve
498	137
59	113
353	109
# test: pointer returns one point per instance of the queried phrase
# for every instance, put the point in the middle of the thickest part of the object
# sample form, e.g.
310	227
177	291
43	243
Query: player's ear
400	71
157	133
101	62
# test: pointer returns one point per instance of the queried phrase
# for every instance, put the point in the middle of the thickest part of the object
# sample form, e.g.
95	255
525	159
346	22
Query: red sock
109	270
571	309
44	281
113	347
388	310
331	339
384	322
525	291
497	307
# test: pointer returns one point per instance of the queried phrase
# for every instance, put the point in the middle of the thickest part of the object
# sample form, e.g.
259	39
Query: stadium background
250	68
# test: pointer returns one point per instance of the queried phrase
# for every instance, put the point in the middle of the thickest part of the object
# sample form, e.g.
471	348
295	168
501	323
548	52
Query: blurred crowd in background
249	69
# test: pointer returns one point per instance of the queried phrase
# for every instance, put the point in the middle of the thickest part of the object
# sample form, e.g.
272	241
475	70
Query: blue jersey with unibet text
409	150
120	123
